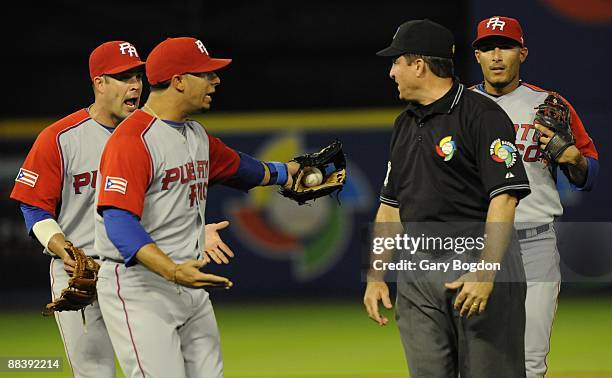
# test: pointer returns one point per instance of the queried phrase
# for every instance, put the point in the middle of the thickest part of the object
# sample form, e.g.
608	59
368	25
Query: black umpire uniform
445	166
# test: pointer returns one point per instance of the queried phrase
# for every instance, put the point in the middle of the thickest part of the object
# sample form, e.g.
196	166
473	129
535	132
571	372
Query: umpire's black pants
438	343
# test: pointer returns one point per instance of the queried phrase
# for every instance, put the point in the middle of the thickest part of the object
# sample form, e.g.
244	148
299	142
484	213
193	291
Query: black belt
531	232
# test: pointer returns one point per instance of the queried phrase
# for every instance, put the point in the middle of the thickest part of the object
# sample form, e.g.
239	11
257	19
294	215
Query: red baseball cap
176	56
113	57
499	26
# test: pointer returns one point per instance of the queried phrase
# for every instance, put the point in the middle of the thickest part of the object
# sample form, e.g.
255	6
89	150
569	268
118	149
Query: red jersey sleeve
224	161
584	143
39	180
125	171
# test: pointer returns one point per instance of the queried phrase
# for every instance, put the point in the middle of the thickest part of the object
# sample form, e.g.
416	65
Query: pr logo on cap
177	56
128	48
201	47
499	26
495	22
112	58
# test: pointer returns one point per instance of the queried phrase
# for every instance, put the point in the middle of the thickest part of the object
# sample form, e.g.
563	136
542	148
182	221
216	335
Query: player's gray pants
88	347
541	260
158	329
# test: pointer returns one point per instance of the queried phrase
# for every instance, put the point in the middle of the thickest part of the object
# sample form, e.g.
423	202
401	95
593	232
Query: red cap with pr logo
177	56
498	26
112	58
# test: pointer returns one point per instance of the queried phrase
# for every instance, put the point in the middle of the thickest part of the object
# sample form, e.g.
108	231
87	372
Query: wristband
45	230
279	173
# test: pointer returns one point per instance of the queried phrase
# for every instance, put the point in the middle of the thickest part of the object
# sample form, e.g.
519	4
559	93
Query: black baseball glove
332	164
554	113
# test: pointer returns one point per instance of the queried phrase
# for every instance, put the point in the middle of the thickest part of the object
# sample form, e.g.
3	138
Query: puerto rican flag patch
115	184
27	177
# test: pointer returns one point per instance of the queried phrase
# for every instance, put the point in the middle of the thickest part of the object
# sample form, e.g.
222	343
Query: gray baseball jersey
164	182
543	205
59	175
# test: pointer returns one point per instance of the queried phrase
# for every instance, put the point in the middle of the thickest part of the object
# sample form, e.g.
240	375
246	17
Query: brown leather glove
81	290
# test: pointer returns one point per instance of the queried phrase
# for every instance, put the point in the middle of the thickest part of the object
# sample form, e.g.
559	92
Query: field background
331	339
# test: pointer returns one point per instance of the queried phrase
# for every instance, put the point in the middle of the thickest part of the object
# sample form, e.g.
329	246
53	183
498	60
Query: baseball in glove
554	114
332	164
81	290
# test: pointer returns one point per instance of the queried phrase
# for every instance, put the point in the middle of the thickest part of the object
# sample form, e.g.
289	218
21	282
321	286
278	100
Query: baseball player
155	171
500	49
55	187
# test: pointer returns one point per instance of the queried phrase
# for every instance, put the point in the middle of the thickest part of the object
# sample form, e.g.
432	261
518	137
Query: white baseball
312	177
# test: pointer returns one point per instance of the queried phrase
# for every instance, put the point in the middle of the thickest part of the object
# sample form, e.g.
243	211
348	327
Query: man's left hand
215	248
570	156
474	294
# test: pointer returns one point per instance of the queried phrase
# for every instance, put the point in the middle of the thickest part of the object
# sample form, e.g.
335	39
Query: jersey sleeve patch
503	151
27	177
115	184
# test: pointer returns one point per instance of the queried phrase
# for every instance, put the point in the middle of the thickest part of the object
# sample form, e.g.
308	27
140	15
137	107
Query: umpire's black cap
421	37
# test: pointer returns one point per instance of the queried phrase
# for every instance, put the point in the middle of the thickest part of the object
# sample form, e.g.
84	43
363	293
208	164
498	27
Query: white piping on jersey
61	154
389	201
457	97
508	187
144	143
527	85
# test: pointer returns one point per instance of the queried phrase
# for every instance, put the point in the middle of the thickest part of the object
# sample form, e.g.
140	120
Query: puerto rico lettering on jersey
84	179
186	173
527	142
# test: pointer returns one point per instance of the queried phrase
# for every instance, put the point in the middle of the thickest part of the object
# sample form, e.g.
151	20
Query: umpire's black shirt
449	158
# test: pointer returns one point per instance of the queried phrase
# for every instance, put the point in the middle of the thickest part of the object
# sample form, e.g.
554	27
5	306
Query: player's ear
523	53
178	82
98	84
477	55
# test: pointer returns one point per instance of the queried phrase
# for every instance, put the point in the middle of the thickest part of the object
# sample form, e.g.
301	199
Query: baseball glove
554	113
332	163
81	290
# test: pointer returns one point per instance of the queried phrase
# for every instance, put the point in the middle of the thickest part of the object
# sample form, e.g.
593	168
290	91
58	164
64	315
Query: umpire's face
500	60
405	74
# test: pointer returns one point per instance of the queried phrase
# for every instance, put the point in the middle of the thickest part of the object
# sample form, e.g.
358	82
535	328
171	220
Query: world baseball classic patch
446	148
503	151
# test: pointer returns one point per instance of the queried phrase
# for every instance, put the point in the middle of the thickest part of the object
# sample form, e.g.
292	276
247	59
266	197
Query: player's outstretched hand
189	274
474	294
215	248
377	291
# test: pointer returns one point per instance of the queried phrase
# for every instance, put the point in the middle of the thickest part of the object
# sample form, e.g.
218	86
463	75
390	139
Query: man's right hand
189	274
376	291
